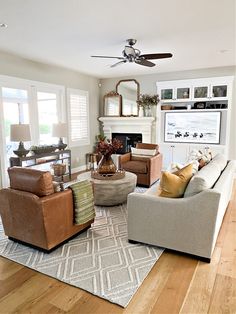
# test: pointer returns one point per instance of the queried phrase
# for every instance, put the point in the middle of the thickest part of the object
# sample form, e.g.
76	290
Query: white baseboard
78	169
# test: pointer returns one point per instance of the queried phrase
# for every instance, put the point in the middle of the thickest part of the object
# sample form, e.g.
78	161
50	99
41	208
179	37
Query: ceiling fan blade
156	56
118	63
145	62
120	58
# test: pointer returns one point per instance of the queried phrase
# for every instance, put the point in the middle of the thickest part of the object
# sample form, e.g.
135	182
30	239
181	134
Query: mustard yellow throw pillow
174	184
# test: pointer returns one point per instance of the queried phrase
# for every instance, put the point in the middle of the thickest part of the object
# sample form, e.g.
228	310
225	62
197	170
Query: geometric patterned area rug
100	260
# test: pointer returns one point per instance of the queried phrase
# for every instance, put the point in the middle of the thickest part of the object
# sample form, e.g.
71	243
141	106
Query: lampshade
59	129
20	133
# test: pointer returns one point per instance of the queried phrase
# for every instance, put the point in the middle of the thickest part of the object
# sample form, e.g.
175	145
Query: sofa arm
155	166
186	224
124	158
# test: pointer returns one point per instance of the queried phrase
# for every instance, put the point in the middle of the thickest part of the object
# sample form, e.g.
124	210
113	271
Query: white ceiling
200	33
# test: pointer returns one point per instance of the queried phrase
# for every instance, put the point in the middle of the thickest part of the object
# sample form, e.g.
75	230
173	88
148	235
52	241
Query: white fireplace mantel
141	125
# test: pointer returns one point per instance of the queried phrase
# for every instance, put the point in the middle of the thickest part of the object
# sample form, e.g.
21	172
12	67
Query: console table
39	159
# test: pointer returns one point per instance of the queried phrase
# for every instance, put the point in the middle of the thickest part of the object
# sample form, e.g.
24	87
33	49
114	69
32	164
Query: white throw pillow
145	152
177	166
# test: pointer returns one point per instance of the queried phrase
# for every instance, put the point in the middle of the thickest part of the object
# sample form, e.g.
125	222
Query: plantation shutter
78	110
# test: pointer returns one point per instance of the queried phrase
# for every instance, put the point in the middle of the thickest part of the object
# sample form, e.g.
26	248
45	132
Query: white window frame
85	141
32	87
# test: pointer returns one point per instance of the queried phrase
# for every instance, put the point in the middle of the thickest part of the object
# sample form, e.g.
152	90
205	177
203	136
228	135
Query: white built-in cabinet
194	95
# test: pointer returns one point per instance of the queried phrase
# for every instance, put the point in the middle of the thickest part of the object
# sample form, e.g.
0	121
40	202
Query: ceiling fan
130	54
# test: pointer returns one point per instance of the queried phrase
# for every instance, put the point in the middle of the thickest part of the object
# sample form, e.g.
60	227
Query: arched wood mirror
112	105
129	90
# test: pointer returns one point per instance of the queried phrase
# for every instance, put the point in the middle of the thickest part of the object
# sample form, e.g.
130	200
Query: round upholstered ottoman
111	192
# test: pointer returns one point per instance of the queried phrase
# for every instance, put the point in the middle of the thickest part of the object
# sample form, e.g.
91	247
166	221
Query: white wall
148	85
15	66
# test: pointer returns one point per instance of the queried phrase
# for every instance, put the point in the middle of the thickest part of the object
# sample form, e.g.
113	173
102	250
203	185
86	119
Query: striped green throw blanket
83	201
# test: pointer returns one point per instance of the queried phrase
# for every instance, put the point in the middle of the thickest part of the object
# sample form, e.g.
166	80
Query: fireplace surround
129	125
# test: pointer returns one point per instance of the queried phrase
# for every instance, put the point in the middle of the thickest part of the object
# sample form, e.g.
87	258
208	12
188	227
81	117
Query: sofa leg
205	259
132	241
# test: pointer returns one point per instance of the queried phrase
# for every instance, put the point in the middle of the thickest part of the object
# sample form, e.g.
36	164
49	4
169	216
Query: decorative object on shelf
112	104
119	174
43	149
60	130
199	105
146	102
167	107
141	112
59	169
106	149
20	133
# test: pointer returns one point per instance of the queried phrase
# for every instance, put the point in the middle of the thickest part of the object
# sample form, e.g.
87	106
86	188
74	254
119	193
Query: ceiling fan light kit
130	54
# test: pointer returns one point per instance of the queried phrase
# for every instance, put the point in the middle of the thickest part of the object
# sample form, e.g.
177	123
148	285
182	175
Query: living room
40	54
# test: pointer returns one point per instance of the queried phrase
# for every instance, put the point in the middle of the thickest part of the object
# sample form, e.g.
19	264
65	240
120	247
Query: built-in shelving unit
203	95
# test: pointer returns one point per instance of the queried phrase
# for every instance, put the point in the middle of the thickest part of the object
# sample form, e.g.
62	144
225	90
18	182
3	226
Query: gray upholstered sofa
190	224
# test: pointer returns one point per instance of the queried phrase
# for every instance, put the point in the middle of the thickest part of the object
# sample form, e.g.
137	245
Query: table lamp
20	133
60	130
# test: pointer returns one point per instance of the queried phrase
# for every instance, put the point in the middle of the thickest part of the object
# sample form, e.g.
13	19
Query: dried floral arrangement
146	101
108	147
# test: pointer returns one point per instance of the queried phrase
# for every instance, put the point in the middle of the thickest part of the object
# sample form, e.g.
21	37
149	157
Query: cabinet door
167	94
167	152
219	91
173	154
201	92
183	93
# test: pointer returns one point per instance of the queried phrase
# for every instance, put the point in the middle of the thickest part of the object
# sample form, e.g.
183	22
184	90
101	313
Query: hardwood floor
177	284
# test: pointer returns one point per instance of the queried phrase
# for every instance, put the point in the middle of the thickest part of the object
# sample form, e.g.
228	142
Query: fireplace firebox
128	140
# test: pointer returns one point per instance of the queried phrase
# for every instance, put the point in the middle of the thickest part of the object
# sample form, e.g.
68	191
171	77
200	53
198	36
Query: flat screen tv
193	127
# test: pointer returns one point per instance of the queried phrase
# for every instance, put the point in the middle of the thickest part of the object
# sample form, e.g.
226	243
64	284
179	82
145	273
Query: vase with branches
147	102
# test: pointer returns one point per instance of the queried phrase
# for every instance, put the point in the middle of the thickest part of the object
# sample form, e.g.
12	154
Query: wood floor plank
146	296
198	297
227	265
27	292
173	294
8	268
67	297
41	302
15	281
224	296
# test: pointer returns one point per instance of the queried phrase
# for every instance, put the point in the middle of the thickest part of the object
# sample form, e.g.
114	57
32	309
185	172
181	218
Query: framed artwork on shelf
192	127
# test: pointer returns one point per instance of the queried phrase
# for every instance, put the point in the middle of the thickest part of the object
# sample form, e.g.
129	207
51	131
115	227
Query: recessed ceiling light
3	25
223	50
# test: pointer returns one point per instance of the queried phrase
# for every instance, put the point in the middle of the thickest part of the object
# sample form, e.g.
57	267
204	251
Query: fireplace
129	125
128	139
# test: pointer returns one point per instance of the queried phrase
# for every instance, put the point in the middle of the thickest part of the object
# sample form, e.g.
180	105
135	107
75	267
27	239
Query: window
35	103
78	117
47	115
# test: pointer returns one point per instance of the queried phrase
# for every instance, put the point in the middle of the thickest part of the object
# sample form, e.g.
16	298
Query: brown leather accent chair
33	214
147	168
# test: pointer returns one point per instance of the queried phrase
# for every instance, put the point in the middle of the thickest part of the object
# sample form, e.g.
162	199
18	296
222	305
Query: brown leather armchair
147	169
33	214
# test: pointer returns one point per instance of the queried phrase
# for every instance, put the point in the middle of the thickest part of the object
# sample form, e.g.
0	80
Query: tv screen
193	127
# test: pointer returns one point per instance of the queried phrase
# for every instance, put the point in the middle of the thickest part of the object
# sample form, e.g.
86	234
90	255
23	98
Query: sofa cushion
203	179
174	184
135	166
31	180
220	160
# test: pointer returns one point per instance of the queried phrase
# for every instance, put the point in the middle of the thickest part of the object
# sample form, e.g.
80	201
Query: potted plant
146	102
